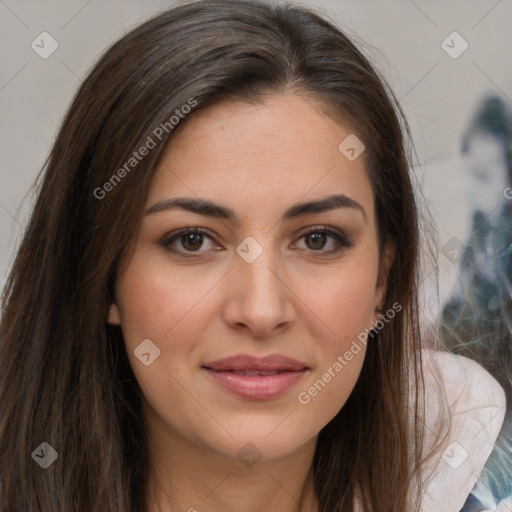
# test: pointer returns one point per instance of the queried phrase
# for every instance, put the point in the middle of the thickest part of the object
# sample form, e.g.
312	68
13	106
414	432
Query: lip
256	378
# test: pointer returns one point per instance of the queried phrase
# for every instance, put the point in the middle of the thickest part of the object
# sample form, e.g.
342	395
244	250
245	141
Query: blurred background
448	63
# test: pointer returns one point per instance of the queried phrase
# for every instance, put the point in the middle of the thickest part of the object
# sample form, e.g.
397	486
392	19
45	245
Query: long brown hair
65	378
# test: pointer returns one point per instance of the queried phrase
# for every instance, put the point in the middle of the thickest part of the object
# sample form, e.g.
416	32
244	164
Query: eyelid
328	229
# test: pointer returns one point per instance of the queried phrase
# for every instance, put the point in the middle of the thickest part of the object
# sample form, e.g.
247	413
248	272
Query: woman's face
248	331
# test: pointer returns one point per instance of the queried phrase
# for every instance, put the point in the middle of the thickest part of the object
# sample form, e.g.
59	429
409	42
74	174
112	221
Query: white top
476	404
462	391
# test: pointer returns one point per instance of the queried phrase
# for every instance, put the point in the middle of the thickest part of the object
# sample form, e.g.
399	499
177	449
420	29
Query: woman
214	306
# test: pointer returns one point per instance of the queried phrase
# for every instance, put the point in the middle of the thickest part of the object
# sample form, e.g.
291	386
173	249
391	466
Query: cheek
349	305
161	303
346	306
171	310
344	300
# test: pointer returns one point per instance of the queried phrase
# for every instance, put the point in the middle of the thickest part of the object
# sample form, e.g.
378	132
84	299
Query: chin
265	441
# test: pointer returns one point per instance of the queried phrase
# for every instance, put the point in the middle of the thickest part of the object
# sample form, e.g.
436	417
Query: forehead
277	152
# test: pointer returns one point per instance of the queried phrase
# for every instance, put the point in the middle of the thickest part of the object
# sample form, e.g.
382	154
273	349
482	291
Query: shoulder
471	403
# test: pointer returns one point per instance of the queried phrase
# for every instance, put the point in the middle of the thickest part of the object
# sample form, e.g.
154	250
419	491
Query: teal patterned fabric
477	323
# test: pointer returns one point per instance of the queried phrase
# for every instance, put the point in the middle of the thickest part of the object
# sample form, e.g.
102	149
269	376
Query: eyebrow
211	209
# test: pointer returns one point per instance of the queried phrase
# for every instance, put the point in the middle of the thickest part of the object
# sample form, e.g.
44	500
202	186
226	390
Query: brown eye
187	240
317	239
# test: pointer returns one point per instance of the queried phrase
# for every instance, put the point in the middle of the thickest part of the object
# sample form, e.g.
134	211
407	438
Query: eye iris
194	238
316	237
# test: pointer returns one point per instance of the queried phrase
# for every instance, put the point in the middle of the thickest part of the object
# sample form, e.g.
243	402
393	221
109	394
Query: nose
258	299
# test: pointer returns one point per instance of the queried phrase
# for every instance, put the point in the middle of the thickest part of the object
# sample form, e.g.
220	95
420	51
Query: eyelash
169	239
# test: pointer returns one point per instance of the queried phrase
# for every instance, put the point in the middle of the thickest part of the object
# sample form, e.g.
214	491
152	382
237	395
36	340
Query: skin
293	299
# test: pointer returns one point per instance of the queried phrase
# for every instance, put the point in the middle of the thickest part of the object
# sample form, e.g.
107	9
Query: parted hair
65	377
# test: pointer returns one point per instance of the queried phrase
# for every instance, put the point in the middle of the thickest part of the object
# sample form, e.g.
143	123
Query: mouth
252	373
256	378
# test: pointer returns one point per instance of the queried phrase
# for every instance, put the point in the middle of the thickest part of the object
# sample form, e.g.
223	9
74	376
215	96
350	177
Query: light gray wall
437	91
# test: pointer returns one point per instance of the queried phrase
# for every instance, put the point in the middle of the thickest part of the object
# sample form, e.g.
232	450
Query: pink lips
256	378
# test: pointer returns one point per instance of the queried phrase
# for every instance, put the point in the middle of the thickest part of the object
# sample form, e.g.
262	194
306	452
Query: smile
256	378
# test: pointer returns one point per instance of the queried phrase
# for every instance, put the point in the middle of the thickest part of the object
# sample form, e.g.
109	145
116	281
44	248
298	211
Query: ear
114	318
388	257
